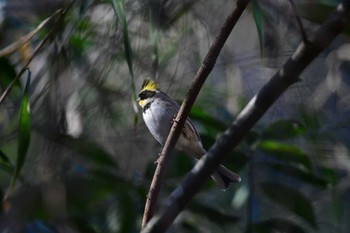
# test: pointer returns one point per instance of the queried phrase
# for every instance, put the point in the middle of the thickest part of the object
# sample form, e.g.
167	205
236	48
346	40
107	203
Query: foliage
83	162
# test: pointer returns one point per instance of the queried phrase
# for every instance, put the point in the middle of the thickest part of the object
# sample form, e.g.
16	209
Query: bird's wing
190	132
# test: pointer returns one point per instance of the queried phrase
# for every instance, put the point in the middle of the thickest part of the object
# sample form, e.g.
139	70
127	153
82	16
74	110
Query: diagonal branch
287	75
197	83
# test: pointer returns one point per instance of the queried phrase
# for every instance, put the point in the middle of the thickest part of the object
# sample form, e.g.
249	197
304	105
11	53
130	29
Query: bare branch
197	83
286	76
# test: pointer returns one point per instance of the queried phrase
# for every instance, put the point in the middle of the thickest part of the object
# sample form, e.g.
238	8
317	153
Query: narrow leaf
292	200
118	7
285	152
283	129
23	130
7	74
299	173
257	13
4	157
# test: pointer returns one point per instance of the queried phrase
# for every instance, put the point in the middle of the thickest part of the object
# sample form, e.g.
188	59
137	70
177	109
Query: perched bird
159	111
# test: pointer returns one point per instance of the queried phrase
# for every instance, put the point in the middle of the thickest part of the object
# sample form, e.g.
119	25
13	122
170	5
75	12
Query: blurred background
81	159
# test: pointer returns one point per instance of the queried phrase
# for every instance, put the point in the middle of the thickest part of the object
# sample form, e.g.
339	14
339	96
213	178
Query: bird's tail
223	177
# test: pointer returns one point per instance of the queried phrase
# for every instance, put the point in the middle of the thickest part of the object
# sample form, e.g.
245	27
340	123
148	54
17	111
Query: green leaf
317	12
5	163
299	173
218	215
283	129
277	225
7	168
89	150
258	17
118	7
125	212
285	152
208	121
82	225
7	74
291	200
4	157
23	130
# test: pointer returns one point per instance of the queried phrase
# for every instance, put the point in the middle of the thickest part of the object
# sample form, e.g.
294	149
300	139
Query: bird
158	111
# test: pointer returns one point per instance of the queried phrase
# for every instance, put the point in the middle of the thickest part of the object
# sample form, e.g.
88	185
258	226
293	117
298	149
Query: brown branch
285	76
37	49
197	83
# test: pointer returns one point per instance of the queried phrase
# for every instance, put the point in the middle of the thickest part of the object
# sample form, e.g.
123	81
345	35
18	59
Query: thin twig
23	40
197	83
36	51
300	24
256	108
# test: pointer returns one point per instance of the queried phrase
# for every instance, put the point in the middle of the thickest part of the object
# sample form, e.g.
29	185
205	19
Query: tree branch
197	83
285	76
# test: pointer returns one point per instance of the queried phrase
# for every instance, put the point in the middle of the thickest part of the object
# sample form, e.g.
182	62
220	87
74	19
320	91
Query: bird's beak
138	99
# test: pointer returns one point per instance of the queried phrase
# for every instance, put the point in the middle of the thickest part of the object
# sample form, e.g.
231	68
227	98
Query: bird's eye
142	95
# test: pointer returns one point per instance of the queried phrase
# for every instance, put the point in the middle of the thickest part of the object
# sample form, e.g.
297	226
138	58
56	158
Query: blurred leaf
258	17
4	157
7	74
153	37
283	129
291	200
299	173
126	212
277	225
7	168
330	174
82	225
181	165
83	192
118	7
5	164
79	44
217	215
207	120
89	150
241	196
285	152
23	131
318	12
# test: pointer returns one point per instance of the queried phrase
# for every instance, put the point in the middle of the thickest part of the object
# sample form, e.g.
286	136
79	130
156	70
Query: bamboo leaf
292	200
299	173
23	130
118	7
285	152
283	129
7	74
258	17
